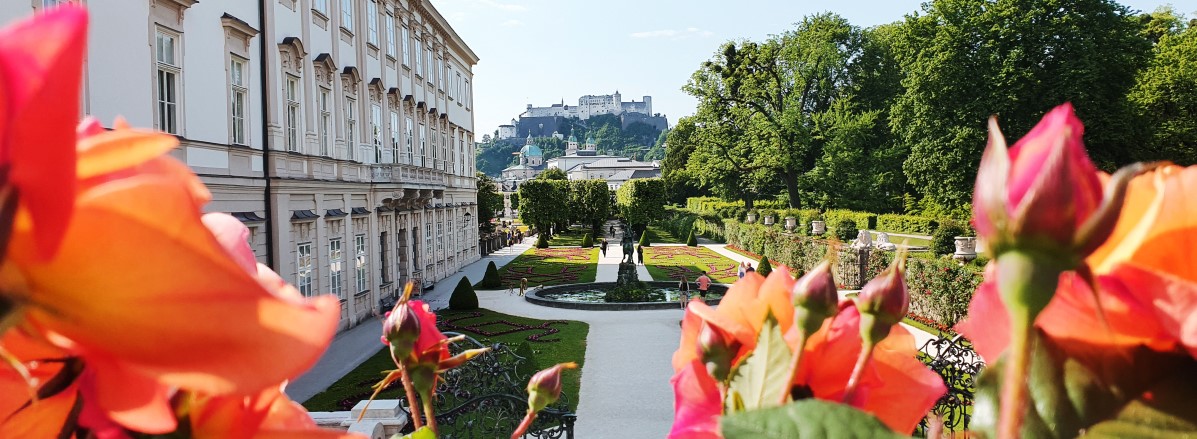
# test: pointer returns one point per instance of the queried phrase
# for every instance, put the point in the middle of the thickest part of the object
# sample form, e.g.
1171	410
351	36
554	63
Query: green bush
542	241
691	240
941	289
764	268
943	241
491	280
846	230
864	220
463	296
644	241
918	225
587	241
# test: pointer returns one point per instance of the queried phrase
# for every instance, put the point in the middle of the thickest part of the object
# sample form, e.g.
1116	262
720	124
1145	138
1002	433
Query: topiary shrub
943	241
587	241
846	230
463	296
691	240
542	241
644	241
764	268
491	280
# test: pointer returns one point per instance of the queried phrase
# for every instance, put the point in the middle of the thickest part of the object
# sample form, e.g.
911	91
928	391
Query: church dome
531	151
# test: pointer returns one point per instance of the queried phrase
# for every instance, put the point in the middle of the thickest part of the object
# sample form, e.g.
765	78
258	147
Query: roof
590	140
618	162
624	175
572	138
531	150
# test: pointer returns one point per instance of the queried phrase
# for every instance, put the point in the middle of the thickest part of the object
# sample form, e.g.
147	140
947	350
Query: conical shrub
644	242
691	240
587	241
463	296
542	241
491	280
764	268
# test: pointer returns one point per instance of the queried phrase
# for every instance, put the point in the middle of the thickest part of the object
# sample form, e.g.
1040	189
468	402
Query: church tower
572	147
590	145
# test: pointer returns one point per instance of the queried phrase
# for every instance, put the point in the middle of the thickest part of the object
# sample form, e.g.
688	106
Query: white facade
339	131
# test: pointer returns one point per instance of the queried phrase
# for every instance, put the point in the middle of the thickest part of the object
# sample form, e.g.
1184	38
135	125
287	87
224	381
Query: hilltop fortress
544	121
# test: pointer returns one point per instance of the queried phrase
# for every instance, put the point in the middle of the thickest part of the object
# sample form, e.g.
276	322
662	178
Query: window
372	22
406	48
321	6
292	94
347	15
445	150
440	237
394	137
409	156
336	267
423	145
428	236
376	129
428	62
325	122
469	95
303	280
168	83
440	74
458	84
419	59
360	263
432	137
449	88
383	253
449	227
390	23
237	94
350	126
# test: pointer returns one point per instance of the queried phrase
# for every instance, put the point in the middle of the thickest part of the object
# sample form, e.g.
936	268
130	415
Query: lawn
669	263
661	236
572	237
551	266
550	342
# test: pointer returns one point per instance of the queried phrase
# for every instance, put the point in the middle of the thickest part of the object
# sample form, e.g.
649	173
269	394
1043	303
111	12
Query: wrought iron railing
959	365
485	398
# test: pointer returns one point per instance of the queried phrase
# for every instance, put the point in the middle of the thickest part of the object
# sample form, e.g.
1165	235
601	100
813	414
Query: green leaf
1077	387
763	378
422	433
808	418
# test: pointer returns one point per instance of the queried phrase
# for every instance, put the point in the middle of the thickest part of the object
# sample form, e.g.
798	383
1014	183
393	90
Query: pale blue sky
542	51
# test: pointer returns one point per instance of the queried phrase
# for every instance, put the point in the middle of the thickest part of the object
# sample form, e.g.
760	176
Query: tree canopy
489	202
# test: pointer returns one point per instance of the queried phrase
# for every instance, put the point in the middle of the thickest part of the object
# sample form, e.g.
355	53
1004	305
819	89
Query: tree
552	174
964	60
781	86
763	267
691	241
491	279
490	201
679	144
590	203
1165	97
640	201
540	203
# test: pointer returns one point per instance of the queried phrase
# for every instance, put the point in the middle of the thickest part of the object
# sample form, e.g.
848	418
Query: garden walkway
625	380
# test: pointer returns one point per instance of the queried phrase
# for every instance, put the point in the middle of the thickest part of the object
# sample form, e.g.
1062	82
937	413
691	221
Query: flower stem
431	415
1014	385
412	403
866	352
524	425
794	362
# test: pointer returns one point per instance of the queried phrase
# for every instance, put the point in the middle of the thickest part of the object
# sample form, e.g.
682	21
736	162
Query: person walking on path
612	231
749	269
704	283
683	289
740	272
640	253
523	286
603	246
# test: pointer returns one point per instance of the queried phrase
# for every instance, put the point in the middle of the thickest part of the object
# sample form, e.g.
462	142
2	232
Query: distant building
547	121
531	162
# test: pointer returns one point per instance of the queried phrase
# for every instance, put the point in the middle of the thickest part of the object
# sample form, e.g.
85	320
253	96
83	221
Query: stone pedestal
768	220
627	275
751	217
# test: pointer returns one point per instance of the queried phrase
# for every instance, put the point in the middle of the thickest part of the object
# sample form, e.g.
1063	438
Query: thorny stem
1014	387
412	403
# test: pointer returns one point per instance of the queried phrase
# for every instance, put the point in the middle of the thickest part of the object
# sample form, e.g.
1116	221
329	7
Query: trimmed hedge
691	241
943	242
491	280
864	220
542	241
463	296
644	241
587	241
846	230
940	288
917	225
763	267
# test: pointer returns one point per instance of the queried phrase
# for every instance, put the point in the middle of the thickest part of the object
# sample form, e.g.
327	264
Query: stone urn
769	220
791	223
966	248
751	217
818	227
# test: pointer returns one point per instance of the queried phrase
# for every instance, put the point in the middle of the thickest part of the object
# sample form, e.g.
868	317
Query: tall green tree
590	203
1165	97
552	174
490	201
782	85
640	201
964	60
540	203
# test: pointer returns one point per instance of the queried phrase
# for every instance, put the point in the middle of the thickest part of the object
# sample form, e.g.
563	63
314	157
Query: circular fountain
627	293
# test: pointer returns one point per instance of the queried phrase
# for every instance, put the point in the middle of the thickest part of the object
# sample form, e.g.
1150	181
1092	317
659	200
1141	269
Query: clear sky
541	52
